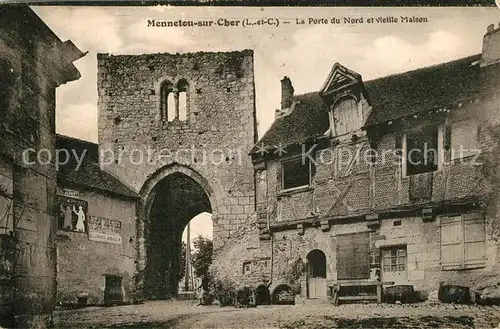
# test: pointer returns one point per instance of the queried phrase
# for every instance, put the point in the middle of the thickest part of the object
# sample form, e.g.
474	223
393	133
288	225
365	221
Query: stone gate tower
177	128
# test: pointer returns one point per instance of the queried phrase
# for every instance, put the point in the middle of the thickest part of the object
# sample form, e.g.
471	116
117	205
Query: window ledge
175	123
64	232
465	158
438	170
459	268
294	190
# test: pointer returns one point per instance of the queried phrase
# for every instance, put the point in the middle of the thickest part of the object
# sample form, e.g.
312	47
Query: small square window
247	268
295	173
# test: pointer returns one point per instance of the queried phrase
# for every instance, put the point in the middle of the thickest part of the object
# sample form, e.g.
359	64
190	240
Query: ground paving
184	314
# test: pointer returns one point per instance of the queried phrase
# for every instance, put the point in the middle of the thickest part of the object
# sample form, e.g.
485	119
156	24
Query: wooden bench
358	283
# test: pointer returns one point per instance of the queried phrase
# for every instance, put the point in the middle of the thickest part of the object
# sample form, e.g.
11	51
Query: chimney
491	46
286	94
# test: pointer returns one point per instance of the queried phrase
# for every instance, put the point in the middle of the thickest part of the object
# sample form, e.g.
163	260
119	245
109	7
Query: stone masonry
141	147
33	62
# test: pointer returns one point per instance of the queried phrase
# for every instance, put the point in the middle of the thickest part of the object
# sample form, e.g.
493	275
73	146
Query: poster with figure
72	214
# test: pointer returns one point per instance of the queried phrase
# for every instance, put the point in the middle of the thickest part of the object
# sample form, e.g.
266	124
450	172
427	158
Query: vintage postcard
249	167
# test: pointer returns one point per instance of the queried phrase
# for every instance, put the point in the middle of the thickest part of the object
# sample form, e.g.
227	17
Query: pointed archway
170	199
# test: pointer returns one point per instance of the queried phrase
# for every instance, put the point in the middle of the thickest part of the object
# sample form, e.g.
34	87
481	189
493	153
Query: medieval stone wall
31	61
211	146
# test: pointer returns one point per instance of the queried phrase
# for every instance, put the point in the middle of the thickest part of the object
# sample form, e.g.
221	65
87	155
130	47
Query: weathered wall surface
359	189
82	263
211	146
343	187
33	64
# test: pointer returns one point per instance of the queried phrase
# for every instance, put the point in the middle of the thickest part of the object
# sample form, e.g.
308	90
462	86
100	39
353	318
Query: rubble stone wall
211	146
33	64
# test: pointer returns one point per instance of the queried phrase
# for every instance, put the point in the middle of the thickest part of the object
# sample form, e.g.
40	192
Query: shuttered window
463	241
353	256
346	116
464	139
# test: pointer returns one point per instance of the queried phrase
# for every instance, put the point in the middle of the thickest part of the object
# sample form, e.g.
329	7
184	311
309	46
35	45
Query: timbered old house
392	180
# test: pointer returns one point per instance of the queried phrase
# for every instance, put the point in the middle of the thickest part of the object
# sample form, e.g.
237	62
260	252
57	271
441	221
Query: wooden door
316	264
394	265
317	288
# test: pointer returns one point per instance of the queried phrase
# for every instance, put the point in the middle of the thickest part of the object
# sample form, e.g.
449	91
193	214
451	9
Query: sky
304	52
199	225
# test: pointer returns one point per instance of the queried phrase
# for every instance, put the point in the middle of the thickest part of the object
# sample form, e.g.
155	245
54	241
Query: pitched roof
308	120
392	97
89	174
424	89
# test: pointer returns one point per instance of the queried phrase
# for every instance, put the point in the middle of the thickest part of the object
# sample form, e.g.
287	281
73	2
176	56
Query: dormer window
343	92
345	116
174	101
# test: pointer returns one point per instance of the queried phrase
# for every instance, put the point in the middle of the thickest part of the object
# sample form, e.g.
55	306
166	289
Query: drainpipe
272	253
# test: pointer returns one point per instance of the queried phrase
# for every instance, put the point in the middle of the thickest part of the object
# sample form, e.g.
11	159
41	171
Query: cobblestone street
177	314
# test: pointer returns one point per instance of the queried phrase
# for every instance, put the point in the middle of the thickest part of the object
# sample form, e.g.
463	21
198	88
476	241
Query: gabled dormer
343	93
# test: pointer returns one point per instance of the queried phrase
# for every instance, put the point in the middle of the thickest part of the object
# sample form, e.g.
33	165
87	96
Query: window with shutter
464	139
353	256
463	241
346	116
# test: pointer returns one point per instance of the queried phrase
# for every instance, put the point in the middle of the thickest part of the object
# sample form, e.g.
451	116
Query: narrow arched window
167	107
182	88
174	101
171	106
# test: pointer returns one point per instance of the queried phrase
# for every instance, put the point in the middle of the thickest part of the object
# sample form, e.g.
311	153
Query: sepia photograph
249	167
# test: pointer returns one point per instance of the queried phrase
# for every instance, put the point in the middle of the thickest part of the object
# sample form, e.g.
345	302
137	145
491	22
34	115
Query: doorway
316	262
394	264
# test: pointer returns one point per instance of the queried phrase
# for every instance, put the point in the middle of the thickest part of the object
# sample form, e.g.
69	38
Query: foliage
202	257
225	291
244	297
294	273
182	262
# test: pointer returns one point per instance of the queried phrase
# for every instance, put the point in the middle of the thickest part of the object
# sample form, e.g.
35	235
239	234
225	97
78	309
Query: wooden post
188	261
379	293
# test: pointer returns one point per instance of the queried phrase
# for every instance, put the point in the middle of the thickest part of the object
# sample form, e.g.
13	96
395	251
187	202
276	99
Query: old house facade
33	63
393	179
96	244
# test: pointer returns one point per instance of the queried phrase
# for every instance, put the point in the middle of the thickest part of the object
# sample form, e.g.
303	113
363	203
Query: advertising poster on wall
72	214
104	230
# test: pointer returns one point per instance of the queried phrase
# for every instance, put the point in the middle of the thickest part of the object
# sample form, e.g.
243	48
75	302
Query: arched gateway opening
172	202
